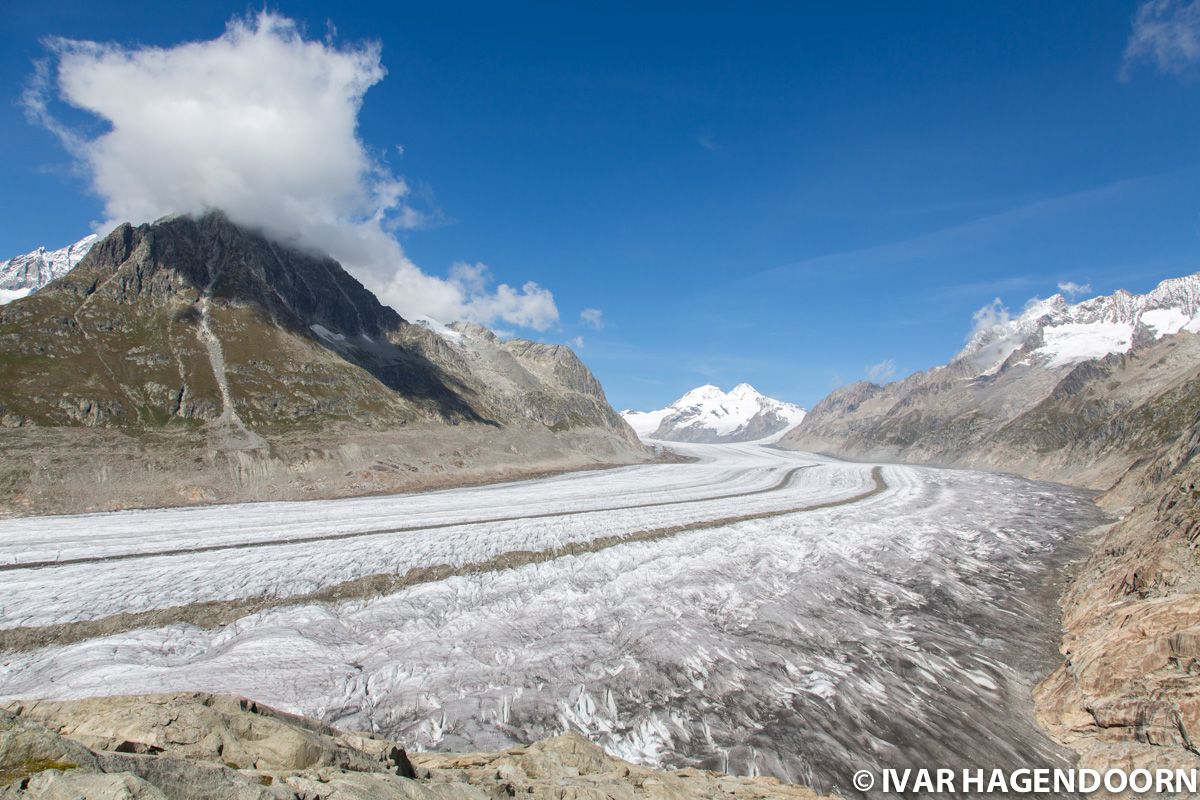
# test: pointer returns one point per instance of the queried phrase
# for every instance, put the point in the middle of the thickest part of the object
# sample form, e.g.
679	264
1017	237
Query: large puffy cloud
261	123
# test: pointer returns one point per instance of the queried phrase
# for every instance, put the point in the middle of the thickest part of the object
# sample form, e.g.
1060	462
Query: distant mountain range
707	414
1071	392
194	360
23	275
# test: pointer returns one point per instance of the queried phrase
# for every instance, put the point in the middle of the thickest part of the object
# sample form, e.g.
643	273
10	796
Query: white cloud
996	333
992	318
261	123
592	317
881	372
529	307
578	342
1072	289
1167	33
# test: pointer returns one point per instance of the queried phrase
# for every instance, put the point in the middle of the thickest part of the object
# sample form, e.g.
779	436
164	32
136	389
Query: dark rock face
182	254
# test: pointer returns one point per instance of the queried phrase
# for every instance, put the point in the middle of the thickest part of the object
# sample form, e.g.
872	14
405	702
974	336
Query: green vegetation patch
32	766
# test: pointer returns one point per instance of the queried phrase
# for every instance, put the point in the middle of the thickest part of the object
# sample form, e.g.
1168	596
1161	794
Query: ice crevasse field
768	612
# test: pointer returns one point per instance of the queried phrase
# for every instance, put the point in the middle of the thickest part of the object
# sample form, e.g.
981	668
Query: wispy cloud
592	317
882	372
578	342
1167	34
960	237
994	316
1071	289
986	287
707	141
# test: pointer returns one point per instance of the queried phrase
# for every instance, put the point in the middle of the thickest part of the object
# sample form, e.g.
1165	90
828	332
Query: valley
645	402
794	615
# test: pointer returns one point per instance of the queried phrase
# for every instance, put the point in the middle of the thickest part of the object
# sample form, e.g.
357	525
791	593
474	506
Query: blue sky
784	197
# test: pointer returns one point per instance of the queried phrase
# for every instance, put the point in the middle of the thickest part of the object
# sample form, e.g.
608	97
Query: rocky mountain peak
203	321
184	256
474	330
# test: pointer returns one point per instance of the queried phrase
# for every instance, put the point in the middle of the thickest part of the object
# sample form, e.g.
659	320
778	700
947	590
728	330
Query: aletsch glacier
884	631
758	611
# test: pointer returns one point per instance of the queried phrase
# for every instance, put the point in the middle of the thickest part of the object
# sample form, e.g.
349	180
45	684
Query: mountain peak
707	414
705	392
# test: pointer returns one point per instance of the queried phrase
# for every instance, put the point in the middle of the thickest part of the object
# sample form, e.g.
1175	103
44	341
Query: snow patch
1165	321
645	423
441	330
1067	344
8	295
326	334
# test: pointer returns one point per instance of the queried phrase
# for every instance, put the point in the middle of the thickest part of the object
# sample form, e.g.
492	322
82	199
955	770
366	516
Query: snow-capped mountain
1061	388
23	275
707	414
1055	333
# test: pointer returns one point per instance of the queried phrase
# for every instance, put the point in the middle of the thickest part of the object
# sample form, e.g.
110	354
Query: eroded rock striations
193	360
192	746
1104	394
1128	692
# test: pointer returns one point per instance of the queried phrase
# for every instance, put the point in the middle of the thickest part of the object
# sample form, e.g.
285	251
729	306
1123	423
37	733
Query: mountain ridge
1069	333
1031	394
23	275
287	376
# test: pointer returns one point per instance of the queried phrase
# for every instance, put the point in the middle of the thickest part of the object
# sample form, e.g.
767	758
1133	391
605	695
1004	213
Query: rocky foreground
1128	692
186	746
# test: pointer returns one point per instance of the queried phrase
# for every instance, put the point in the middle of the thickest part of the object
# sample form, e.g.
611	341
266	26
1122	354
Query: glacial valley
755	611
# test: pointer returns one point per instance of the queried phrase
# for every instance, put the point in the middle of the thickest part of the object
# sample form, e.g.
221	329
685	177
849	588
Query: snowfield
853	627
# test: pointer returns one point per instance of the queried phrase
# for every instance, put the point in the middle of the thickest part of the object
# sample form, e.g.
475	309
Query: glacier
852	628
